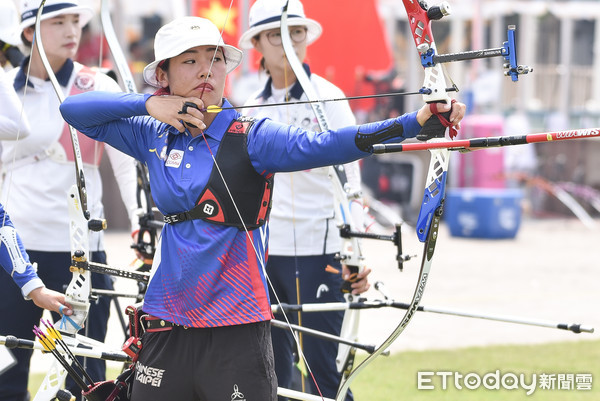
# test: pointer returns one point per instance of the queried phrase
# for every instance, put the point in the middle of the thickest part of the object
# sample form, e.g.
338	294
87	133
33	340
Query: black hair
24	39
164	65
262	62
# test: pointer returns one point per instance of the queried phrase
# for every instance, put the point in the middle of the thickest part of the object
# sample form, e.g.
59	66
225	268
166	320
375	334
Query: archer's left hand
458	112
51	300
361	284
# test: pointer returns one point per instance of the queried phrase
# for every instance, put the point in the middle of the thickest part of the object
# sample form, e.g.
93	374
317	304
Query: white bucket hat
266	14
53	8
182	34
9	23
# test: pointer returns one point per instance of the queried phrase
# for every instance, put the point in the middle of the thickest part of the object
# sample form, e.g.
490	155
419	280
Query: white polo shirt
302	220
35	192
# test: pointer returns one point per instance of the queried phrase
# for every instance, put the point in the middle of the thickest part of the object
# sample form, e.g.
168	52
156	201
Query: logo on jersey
148	375
323	288
210	208
84	82
175	158
237	395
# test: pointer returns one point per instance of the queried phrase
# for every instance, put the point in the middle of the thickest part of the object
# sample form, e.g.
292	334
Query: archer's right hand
175	110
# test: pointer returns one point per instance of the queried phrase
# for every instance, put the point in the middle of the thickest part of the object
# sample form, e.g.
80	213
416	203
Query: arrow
466	145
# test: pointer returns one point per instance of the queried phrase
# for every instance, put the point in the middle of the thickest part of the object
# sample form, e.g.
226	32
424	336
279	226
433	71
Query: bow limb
78	291
115	48
148	230
351	254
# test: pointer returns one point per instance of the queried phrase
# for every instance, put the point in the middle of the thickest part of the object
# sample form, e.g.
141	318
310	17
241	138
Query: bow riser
434	85
420	25
435	188
77	295
52	382
78	290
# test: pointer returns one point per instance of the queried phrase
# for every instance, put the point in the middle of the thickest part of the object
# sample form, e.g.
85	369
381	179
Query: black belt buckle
155	324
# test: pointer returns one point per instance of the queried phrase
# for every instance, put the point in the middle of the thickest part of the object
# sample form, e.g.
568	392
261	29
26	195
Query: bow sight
429	58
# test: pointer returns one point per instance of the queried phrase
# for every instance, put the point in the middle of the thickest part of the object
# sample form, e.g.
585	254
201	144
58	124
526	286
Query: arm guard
374	133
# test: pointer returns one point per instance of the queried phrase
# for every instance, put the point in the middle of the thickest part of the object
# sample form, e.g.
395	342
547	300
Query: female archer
206	312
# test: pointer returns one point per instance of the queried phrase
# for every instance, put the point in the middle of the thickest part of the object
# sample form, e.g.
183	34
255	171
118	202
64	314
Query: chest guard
250	191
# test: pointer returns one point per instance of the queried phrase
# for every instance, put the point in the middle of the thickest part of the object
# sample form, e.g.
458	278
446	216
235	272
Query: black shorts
232	363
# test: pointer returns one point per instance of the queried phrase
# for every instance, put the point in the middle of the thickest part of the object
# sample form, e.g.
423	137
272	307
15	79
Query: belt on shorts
153	324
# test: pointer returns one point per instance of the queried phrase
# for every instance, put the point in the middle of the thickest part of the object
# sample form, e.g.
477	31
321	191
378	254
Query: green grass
395	377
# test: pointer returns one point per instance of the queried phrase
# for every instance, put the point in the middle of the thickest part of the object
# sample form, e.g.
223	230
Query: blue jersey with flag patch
204	274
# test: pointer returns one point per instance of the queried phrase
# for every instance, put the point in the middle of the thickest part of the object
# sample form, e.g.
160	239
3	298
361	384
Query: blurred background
366	48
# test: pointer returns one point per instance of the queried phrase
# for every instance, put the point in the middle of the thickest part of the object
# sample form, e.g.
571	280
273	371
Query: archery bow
434	90
351	254
431	209
78	291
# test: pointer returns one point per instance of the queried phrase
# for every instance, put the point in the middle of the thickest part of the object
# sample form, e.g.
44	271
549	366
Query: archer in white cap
207	310
39	170
304	235
305	238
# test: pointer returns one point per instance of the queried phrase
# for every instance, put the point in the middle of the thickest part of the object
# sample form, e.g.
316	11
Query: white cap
266	14
9	23
185	33
53	8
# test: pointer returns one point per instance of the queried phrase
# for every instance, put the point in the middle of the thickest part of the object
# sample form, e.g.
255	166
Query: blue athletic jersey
206	275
